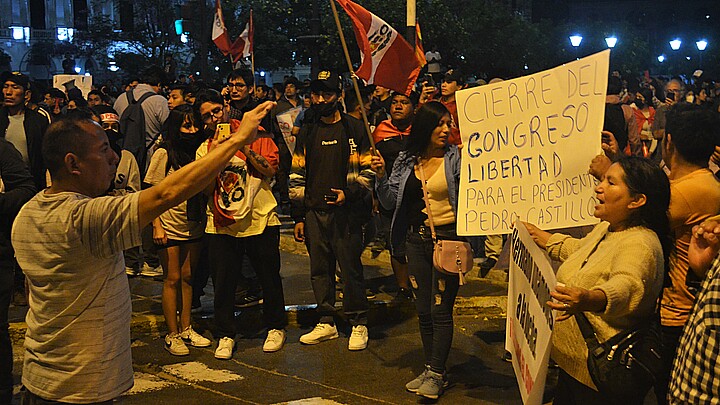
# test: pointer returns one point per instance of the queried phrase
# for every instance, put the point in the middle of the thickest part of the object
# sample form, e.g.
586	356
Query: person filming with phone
242	220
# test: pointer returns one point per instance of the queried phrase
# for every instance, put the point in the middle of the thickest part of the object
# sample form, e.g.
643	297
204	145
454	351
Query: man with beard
242	220
331	161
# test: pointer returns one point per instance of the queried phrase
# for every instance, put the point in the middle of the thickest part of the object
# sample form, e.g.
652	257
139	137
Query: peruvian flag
419	51
243	45
387	59
219	32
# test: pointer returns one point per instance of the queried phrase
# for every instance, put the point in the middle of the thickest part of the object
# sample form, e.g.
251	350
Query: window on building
37	14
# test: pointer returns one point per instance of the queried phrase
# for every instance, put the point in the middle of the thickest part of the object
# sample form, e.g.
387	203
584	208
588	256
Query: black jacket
35	126
18	188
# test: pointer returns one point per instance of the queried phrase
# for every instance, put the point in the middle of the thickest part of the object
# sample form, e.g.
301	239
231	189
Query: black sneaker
404	295
486	266
247	301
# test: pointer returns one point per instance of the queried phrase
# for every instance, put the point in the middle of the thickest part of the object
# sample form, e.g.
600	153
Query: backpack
132	128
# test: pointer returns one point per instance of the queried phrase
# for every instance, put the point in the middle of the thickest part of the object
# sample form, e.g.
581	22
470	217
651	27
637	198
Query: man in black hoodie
16	188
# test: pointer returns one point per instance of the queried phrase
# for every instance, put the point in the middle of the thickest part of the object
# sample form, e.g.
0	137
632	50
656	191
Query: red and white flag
419	51
243	45
387	59
219	32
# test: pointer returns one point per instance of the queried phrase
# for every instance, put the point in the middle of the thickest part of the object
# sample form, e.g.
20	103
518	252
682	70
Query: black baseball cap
327	81
17	78
454	75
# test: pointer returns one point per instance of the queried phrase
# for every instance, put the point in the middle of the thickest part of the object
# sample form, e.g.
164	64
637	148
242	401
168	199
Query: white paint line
311	401
194	371
147	382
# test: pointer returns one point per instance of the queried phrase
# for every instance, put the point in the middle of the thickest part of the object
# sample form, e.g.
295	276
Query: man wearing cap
331	162
288	101
23	127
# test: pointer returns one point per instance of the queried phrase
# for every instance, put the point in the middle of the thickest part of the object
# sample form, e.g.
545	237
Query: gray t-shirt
77	345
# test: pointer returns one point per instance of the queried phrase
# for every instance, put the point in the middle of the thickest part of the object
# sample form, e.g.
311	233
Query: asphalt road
326	373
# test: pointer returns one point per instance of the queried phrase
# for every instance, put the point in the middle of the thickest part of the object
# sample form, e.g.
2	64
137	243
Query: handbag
449	256
625	366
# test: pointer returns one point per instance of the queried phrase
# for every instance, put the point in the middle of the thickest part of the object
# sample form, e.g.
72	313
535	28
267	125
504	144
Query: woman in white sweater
614	275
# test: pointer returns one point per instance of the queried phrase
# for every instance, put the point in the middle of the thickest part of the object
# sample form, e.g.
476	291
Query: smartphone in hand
223	132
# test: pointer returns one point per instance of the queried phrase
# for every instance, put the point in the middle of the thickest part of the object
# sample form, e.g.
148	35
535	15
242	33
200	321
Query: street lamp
661	58
575	40
675	44
701	45
611	41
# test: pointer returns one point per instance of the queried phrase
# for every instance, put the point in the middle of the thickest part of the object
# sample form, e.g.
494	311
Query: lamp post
675	44
611	41
701	45
575	41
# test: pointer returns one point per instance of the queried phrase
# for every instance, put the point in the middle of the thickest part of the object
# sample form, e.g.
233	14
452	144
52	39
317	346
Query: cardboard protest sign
529	323
286	121
528	143
67	82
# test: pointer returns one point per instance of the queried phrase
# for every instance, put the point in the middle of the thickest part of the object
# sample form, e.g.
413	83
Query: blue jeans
435	294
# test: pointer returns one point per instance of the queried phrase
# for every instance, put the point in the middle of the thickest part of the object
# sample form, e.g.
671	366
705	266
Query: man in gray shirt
69	240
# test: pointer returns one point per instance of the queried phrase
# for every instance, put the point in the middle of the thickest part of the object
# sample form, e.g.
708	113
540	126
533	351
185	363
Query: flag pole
252	67
354	78
251	39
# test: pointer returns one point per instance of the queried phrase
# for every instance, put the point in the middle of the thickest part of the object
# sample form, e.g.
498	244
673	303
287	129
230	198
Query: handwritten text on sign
529	321
528	144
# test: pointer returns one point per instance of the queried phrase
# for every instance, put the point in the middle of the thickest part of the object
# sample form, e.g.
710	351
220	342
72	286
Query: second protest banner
530	321
528	143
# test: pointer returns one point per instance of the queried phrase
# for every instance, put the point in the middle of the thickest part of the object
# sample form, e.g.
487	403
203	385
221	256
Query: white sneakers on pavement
225	348
148	271
192	338
274	341
358	338
175	345
324	331
320	333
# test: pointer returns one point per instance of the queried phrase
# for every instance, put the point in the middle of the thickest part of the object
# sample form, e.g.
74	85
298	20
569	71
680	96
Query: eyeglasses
216	112
238	86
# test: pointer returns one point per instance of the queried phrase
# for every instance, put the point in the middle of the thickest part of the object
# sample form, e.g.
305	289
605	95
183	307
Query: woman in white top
178	231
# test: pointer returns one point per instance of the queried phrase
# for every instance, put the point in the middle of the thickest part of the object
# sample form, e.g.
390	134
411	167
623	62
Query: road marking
145	382
311	401
195	371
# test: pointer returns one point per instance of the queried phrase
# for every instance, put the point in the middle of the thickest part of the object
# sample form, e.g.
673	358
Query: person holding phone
242	220
331	170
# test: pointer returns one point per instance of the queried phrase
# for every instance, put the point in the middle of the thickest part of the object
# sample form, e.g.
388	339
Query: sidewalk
484	298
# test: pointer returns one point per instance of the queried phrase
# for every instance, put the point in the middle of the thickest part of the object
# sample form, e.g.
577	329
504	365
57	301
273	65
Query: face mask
189	141
114	138
325	109
639	103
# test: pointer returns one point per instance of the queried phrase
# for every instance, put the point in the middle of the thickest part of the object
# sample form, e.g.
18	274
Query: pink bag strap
427	200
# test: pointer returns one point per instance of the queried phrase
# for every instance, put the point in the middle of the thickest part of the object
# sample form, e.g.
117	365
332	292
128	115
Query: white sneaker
321	333
189	336
224	349
131	271
149	271
175	345
358	338
274	341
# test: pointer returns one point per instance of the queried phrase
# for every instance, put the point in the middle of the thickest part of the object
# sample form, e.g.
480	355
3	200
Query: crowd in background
343	199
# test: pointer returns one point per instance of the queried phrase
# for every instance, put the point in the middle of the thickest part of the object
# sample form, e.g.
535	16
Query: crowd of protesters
88	199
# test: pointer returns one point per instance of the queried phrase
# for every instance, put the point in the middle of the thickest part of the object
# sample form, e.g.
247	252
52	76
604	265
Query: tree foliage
481	37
